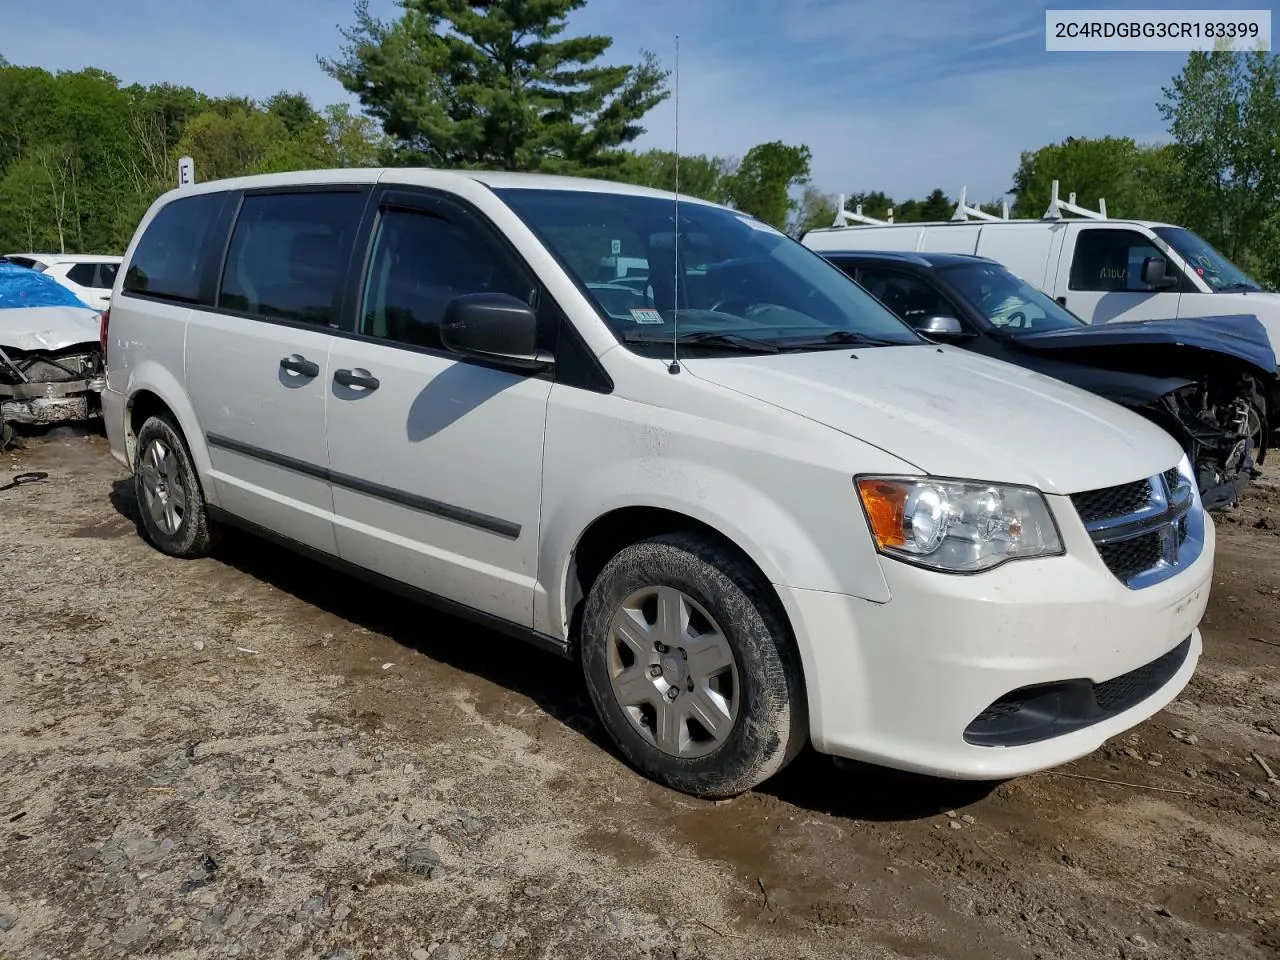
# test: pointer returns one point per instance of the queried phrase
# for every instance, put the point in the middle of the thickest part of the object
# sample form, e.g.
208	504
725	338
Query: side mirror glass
1155	273
495	327
939	328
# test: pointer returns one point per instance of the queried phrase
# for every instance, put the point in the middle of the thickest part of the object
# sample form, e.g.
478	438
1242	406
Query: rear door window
289	255
85	274
169	259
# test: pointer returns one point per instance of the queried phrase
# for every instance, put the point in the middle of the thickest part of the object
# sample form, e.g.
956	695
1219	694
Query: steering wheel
1020	321
734	305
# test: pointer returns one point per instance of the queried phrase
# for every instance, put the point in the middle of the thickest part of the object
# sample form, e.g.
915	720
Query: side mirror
939	328
1155	273
495	327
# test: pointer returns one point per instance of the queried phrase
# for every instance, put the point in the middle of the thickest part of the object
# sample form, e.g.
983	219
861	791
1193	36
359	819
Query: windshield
1008	302
1212	267
739	283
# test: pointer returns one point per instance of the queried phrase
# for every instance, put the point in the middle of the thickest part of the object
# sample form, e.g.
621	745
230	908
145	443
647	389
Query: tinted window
422	261
107	275
288	255
169	258
728	274
85	274
1111	260
913	299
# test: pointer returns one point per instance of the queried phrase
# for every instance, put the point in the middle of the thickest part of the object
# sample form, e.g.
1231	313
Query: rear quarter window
169	260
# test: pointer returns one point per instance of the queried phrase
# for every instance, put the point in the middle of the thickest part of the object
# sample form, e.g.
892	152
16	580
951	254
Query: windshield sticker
760	225
646	315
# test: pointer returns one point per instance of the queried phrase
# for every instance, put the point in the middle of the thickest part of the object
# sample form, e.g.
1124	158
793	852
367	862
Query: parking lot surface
253	756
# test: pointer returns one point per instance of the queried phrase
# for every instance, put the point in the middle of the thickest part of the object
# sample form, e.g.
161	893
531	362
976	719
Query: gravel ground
252	756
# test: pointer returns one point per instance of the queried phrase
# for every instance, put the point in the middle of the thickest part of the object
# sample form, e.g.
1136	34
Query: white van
1101	270
753	504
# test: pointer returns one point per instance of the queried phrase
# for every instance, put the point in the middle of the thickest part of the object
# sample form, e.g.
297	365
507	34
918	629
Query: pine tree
490	83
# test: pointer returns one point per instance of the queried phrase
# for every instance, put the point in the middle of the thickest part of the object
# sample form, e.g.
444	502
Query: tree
816	209
700	176
295	112
1223	112
1114	168
762	183
485	83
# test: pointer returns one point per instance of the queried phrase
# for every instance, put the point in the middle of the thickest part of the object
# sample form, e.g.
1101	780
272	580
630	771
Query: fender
155	378
768	532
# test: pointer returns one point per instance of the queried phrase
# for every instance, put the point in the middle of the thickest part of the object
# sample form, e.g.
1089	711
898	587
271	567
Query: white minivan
1101	270
755	506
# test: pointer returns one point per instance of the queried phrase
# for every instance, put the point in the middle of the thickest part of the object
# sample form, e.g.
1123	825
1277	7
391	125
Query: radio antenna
675	242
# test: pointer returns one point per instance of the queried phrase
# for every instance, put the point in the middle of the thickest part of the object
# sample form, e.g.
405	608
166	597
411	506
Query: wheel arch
154	390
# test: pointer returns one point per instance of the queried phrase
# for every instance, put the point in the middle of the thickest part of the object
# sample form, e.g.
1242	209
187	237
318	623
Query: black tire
194	535
771	723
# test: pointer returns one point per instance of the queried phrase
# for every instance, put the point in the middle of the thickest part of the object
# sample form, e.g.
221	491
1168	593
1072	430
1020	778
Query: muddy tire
170	498
691	667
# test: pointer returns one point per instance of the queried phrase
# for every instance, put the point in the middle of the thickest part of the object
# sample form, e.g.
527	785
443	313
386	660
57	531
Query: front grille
1128	558
1130	689
1111	502
1144	531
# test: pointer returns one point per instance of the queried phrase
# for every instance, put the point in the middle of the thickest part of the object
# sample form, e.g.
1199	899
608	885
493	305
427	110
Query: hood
1237	335
955	414
47	328
1261	304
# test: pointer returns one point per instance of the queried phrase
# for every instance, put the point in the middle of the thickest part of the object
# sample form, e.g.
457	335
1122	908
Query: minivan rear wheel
691	667
170	498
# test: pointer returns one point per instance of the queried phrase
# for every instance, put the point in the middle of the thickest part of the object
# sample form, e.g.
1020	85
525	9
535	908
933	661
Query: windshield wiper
841	338
1233	287
708	338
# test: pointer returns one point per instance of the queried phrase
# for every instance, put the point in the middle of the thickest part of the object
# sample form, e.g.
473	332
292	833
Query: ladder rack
1057	206
843	216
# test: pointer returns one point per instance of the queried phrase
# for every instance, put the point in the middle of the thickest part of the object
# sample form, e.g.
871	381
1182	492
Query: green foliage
489	84
1223	112
762	183
81	158
1115	168
700	176
815	209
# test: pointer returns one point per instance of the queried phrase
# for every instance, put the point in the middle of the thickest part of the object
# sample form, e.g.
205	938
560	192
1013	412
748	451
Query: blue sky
897	95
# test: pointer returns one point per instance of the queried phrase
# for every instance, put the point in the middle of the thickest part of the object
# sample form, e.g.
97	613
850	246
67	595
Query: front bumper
49	402
899	683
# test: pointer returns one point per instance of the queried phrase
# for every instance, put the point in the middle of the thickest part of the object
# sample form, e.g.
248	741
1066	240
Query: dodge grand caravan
754	505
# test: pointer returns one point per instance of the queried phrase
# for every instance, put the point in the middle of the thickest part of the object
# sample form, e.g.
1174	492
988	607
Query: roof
1109	221
494	179
52	258
919	259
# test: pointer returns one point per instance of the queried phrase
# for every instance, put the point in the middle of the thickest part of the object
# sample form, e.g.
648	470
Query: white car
50	355
756	507
89	276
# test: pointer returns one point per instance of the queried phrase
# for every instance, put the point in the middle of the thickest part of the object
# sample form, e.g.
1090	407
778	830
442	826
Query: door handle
350	378
300	365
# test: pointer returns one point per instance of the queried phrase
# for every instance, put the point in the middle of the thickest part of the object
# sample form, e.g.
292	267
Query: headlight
957	526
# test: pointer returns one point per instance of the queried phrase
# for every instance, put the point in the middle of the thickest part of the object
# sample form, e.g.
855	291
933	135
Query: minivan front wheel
691	668
170	498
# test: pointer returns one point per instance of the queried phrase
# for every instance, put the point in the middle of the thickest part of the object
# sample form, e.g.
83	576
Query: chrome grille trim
1170	526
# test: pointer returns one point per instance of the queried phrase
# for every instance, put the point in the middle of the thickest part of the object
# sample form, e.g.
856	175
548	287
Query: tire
737	724
170	499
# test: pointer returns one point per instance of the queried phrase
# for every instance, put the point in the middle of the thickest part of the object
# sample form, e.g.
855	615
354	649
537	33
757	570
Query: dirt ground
251	756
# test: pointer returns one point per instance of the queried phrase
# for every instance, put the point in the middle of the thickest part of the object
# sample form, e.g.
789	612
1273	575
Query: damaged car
50	354
1210	382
